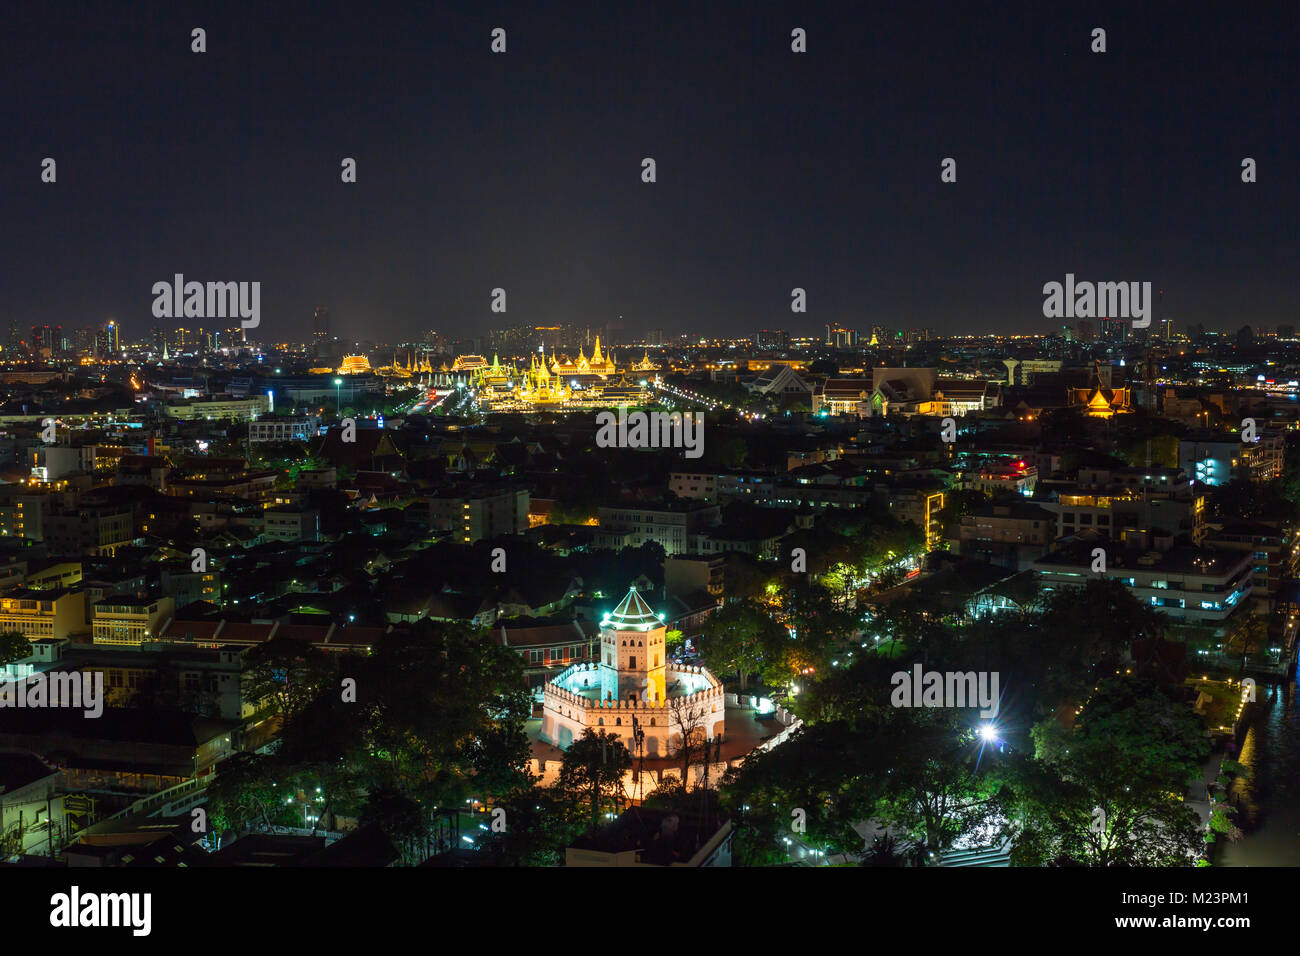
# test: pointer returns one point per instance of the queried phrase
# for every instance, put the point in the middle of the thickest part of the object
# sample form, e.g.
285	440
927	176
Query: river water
1269	803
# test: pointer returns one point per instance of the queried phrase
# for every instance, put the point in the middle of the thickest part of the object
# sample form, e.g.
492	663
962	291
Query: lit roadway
709	403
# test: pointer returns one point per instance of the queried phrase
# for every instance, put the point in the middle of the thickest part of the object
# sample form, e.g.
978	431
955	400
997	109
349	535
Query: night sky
523	170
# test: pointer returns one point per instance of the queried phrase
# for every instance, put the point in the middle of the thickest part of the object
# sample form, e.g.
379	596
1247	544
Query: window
631	662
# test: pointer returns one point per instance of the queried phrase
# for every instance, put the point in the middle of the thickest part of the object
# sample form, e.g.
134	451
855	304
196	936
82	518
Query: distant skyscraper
1167	329
320	324
114	336
48	341
841	338
15	337
772	339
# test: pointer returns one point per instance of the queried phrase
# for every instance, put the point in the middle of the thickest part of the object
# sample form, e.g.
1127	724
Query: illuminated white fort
633	679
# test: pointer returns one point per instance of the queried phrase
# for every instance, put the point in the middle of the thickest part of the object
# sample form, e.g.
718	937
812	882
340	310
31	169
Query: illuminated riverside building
633	680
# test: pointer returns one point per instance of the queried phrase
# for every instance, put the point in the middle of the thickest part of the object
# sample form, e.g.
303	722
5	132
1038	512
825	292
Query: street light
338	396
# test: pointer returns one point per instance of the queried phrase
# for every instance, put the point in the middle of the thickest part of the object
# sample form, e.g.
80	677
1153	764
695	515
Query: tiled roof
632	611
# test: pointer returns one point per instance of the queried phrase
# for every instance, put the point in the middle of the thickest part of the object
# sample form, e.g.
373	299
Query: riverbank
1269	802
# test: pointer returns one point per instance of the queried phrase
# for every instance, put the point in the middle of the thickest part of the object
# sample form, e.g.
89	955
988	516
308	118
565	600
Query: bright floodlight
988	732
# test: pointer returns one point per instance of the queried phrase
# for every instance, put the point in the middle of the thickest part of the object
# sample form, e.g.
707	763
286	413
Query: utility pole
638	737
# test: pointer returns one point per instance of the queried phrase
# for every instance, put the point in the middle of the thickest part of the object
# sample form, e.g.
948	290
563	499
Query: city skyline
733	435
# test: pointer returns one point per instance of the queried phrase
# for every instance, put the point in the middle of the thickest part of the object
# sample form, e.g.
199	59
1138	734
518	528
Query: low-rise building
548	647
675	526
98	531
124	619
1193	586
1010	532
685	573
255	486
1213	458
185	586
287	523
1114	514
843	396
218	409
283	428
56	613
783	383
1268	546
30	801
198	680
644	837
996	477
721	486
473	513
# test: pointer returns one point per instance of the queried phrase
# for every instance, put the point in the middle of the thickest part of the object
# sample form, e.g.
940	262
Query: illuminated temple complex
598	366
554	383
541	387
1099	399
354	365
633	686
